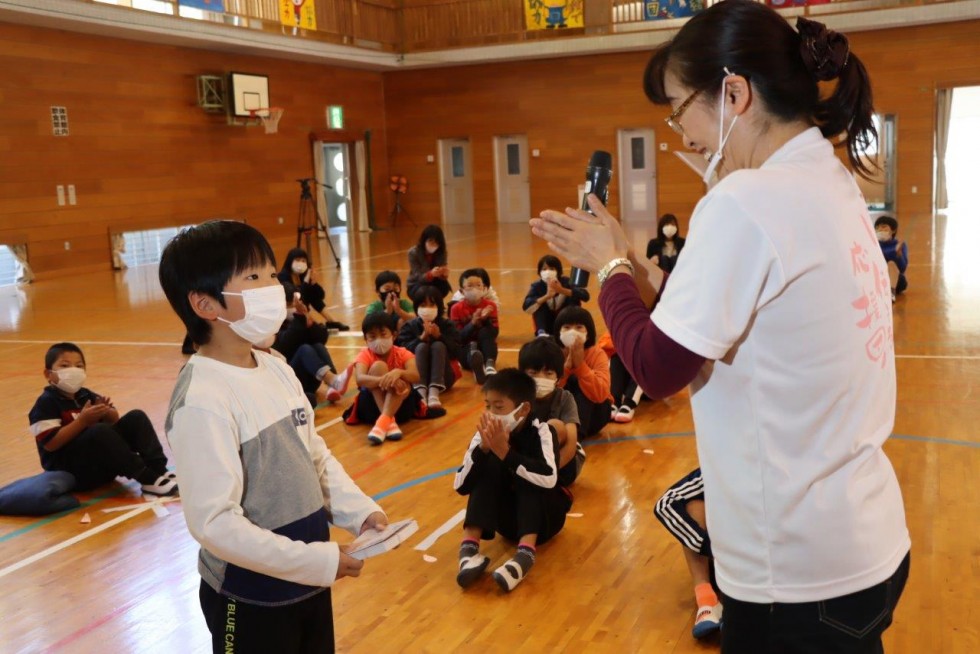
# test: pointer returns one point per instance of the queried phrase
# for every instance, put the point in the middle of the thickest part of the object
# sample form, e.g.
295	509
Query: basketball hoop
269	116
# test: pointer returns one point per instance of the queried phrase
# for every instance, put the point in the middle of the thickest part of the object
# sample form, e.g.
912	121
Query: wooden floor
613	580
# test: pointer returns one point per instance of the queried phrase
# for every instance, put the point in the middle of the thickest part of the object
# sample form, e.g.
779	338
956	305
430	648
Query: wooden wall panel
141	153
570	107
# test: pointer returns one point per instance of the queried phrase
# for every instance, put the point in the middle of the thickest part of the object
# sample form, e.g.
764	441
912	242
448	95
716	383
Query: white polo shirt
783	288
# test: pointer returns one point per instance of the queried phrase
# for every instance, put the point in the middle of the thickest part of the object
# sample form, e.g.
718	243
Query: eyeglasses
673	120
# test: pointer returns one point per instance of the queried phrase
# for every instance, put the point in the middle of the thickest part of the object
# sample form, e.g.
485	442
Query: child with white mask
80	432
298	271
550	294
510	477
586	371
435	342
428	262
478	325
664	249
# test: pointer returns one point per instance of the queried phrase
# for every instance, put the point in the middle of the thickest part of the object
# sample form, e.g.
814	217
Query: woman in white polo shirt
778	314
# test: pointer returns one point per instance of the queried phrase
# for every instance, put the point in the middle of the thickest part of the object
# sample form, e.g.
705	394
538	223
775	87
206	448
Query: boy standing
386	375
510	474
259	485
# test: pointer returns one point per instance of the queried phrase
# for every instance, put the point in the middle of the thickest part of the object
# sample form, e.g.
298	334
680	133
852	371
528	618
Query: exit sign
335	117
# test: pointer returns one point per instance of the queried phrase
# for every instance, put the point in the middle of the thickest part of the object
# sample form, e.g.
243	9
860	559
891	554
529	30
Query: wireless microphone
597	176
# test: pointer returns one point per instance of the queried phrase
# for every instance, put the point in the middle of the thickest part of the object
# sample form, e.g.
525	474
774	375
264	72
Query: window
458	170
513	159
9	268
147	246
636	148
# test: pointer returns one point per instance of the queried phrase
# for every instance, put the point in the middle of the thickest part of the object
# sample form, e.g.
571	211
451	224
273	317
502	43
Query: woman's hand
588	242
377	521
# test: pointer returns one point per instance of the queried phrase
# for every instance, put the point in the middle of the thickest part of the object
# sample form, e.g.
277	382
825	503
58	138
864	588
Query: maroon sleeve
658	364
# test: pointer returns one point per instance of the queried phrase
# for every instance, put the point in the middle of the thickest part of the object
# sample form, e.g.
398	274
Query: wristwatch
609	267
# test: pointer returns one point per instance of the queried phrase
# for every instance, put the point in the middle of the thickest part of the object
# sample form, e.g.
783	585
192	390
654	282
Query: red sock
705	595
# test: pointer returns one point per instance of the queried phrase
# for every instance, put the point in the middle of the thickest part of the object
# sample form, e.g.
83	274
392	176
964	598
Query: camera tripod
309	222
398	210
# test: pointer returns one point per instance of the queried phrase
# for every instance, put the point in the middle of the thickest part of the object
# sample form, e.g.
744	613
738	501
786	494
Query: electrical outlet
61	195
430	158
915	189
71	195
535	152
280	220
663	147
67	245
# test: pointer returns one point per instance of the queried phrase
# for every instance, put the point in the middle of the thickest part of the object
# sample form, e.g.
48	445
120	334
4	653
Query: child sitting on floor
543	361
510	473
434	341
586	374
386	375
80	432
477	323
549	295
399	310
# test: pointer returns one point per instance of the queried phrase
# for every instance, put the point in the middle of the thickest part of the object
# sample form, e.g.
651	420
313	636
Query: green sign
335	117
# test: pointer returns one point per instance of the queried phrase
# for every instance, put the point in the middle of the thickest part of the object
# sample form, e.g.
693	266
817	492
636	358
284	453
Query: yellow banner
554	14
298	13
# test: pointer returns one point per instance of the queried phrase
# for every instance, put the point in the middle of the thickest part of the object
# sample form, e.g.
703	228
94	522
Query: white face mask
473	295
381	346
510	420
70	380
884	235
717	156
428	314
548	275
699	164
570	337
670	231
431	249
265	311
300	267
545	386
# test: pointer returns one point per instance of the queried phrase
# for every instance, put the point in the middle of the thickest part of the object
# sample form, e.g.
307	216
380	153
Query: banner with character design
298	13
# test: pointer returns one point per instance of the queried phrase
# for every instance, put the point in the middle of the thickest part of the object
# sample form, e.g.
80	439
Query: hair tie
825	52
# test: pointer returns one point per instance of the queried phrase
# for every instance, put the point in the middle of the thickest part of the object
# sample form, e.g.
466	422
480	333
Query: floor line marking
443	529
330	423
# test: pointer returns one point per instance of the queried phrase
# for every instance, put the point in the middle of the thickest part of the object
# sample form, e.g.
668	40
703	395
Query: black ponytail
782	64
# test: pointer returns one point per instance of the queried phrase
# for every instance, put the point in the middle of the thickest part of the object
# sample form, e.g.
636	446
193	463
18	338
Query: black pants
622	387
306	362
129	448
486	342
593	416
501	503
850	624
303	627
435	366
544	319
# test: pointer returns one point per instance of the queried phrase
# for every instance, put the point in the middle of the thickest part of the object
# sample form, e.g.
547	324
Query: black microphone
597	176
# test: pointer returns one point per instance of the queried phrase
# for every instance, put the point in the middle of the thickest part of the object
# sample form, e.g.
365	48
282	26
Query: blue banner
659	10
206	5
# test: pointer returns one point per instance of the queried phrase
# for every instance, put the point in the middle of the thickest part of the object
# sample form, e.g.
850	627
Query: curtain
360	159
320	172
20	253
118	248
944	107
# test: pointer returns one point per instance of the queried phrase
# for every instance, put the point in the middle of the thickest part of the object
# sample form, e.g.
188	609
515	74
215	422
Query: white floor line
54	549
446	527
330	423
161	500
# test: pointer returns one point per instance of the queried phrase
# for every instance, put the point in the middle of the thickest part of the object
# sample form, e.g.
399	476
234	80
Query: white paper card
371	543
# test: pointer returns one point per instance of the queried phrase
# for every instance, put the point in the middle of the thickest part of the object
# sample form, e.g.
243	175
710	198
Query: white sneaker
164	485
624	414
707	622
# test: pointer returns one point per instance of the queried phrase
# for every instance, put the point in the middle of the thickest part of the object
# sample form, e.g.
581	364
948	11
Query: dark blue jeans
849	624
306	362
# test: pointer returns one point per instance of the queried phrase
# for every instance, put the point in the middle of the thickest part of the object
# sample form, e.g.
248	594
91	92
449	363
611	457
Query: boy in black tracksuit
510	473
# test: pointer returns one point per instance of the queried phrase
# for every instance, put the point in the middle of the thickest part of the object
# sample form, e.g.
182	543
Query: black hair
577	316
541	354
475	272
436	234
428	292
376	320
513	384
887	220
386	277
292	255
666	219
754	41
289	290
551	261
203	259
56	350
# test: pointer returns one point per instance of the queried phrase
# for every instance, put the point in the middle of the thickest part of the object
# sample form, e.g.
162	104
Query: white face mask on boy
428	314
545	386
265	311
510	420
70	380
381	346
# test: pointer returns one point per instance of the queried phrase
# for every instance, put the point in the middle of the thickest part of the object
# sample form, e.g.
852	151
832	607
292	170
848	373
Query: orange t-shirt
396	359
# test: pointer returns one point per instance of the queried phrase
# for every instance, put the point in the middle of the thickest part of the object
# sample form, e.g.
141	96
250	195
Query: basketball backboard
247	92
